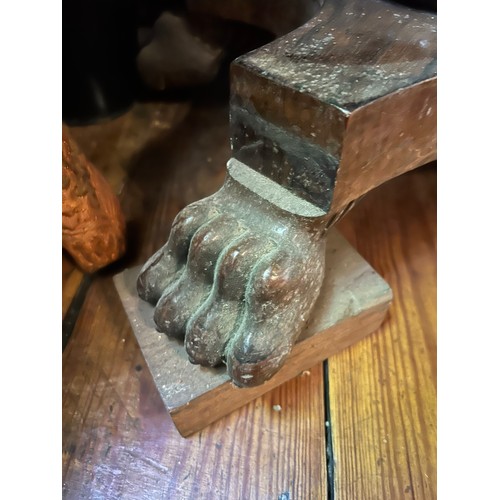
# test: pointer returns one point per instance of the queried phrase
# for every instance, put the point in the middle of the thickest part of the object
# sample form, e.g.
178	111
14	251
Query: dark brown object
340	105
277	16
118	439
238	276
353	304
178	55
318	118
93	227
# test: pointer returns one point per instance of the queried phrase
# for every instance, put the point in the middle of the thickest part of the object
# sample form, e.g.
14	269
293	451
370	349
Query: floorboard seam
73	311
330	463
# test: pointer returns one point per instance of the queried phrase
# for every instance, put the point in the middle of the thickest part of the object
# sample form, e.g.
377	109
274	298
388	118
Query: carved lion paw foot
236	280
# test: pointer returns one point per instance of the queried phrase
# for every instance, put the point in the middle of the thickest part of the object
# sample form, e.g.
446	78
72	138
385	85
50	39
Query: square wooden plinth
353	303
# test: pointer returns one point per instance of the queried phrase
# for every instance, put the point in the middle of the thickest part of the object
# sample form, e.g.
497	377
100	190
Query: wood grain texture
352	92
118	440
383	389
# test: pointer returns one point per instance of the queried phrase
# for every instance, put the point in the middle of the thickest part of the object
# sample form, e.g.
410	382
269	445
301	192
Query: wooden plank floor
383	389
71	280
118	440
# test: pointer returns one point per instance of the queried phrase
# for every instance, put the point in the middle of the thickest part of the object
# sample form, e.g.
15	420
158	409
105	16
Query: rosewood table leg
318	118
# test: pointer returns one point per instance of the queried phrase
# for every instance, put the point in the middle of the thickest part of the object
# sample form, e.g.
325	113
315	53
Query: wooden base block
353	303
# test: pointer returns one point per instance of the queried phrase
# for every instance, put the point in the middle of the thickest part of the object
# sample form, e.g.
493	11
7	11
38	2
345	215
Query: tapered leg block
353	303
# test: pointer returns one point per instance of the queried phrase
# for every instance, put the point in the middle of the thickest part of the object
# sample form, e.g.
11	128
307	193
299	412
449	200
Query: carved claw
237	280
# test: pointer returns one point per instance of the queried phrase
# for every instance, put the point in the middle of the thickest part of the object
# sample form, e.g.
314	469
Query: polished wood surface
118	439
382	391
340	105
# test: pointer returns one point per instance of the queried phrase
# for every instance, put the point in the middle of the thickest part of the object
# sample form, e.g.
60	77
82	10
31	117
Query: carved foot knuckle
164	267
213	325
209	330
278	301
250	365
276	278
146	284
237	263
208	242
184	301
171	312
184	227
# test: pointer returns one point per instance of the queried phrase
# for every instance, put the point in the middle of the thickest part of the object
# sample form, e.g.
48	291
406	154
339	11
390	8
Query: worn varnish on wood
340	105
353	303
120	443
241	270
118	439
382	391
